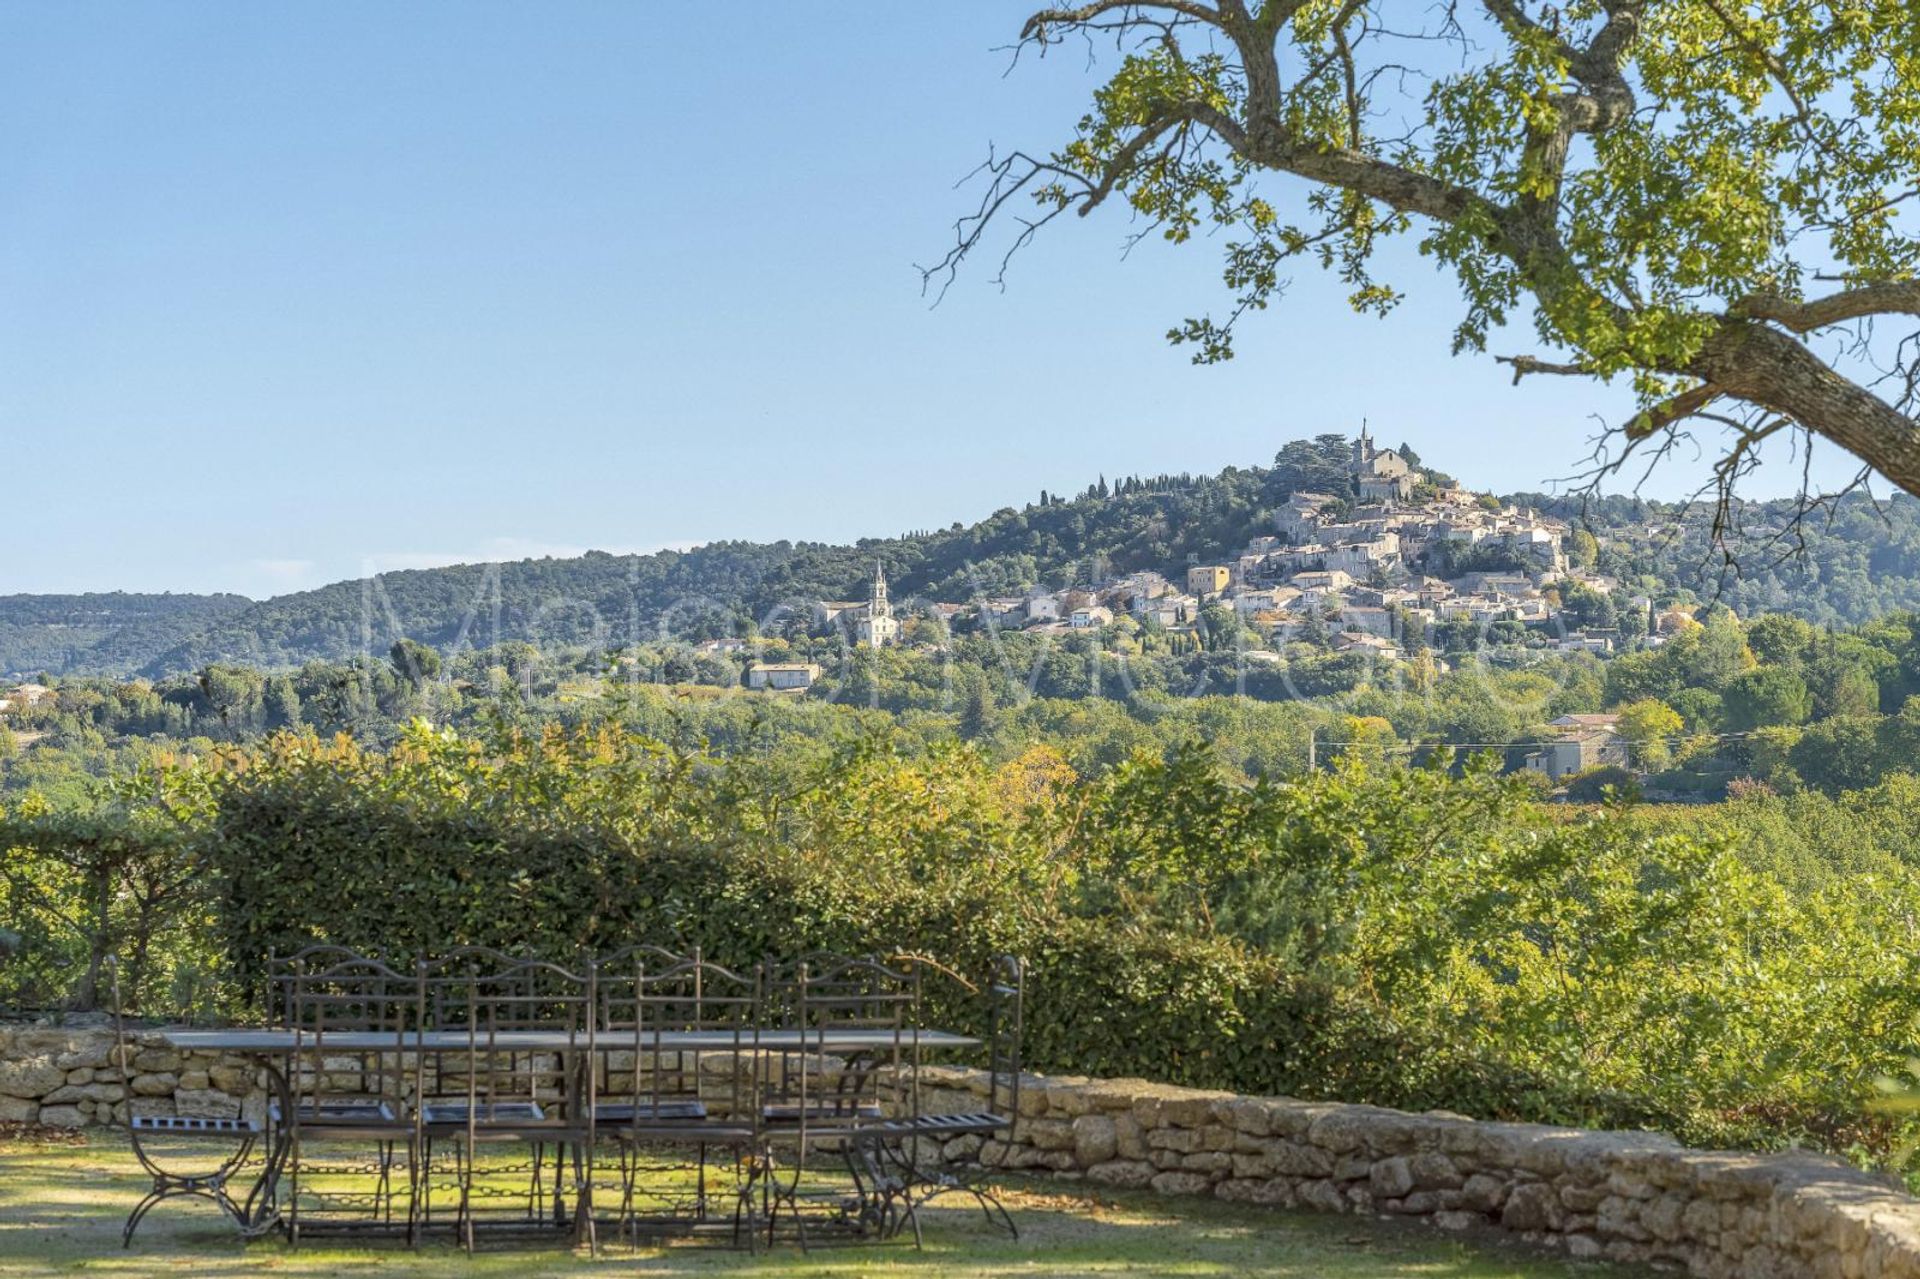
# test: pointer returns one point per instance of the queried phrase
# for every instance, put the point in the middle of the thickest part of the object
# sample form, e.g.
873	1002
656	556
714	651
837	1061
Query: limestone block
194	1080
18	1110
205	1103
1068	1099
1252	1167
1322	1196
1424	1203
1582	1198
1352	1167
1095	1139
1184	1140
1161	1106
962	1149
1391	1178
1483	1193
1435	1171
86	1054
155	1085
1181	1183
156	1060
1048	1134
62	1117
1533	1206
74	1093
1279	1191
1235	1190
1122	1172
1619	1218
31	1077
1130	1139
231	1078
1300	1161
1348	1128
1250	1115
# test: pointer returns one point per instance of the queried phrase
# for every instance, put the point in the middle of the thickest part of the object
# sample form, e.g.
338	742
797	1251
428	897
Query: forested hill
110	632
1852	563
1862	562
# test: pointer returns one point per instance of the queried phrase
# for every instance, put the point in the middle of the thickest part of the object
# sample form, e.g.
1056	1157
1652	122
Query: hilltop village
1391	565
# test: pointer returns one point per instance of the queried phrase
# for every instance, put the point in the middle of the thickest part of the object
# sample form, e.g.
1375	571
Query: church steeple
878	628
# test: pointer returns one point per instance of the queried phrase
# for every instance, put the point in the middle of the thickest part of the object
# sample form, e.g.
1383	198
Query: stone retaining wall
70	1077
1618	1195
1623	1196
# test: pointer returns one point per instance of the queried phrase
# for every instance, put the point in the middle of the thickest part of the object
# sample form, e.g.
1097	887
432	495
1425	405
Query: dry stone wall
1635	1197
69	1077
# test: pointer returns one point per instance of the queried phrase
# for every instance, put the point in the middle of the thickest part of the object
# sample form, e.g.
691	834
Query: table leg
261	1212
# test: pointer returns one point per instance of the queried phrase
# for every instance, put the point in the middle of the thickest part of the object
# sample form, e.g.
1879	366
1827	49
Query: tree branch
1895	298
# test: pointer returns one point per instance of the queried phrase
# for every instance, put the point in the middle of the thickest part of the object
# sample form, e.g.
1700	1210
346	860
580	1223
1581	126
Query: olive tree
1710	199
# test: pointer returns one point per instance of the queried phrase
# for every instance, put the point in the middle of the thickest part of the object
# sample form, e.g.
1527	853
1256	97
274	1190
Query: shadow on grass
61	1210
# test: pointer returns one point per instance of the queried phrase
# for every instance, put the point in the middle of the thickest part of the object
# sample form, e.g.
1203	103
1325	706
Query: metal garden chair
504	1092
854	1022
353	1020
694	1078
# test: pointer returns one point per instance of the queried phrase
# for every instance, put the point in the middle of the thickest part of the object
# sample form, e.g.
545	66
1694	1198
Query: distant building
1043	607
782	676
878	627
1004	610
1090	617
1380	474
1577	752
1585	741
1325	580
1367	621
1298	519
29	694
1208	579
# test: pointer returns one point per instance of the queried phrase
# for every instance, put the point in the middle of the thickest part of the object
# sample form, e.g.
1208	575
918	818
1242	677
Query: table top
282	1041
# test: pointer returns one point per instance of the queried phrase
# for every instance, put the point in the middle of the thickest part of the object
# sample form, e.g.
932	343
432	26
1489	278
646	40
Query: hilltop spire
878	606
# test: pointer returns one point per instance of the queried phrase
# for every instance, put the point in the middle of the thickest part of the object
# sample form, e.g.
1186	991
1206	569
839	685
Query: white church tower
879	627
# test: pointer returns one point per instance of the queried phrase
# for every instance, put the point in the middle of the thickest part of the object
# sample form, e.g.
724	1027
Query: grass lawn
61	1209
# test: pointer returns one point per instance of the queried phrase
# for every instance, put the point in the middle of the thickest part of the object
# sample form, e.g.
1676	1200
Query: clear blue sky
288	292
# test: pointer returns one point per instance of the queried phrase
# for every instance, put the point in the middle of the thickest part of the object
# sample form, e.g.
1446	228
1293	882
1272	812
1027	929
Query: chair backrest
1006	1022
352	1018
859	1011
333	989
482	996
282	969
692	1027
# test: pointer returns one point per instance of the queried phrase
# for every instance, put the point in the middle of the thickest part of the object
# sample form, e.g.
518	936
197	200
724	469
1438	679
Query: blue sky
288	293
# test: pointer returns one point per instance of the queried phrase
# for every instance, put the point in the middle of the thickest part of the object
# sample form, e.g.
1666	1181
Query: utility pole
1313	743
